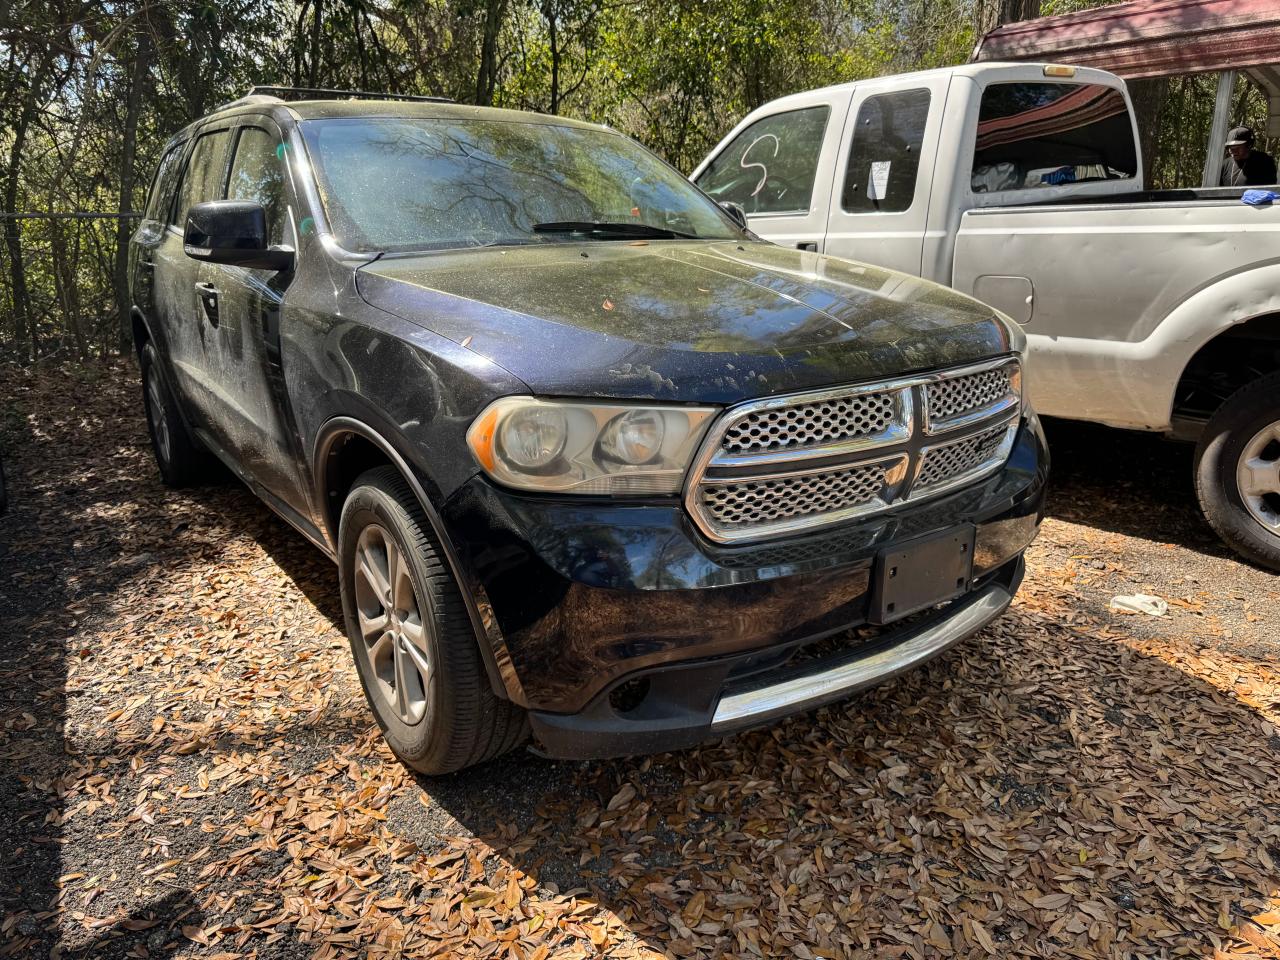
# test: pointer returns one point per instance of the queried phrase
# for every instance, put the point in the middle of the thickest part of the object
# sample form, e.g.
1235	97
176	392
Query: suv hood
692	321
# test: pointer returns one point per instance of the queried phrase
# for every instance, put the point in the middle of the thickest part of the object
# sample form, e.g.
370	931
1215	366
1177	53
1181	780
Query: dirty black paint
567	595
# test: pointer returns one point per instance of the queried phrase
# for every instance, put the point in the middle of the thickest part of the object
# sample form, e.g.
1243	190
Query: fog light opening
628	696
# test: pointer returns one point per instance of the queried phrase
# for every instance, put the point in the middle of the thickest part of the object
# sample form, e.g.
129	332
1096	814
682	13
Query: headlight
596	448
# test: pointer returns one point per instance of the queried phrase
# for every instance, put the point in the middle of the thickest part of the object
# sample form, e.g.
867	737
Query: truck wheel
181	459
412	640
1238	471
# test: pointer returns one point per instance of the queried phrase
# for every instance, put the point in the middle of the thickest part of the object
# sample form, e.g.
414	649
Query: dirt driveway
187	767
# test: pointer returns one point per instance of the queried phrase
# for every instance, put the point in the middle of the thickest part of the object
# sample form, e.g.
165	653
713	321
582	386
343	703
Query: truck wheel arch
1230	307
345	448
1245	350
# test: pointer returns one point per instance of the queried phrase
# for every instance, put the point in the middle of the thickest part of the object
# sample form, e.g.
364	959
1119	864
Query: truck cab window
884	156
770	166
1034	135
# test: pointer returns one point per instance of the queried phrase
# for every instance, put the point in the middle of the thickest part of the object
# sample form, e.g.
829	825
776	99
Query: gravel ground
188	769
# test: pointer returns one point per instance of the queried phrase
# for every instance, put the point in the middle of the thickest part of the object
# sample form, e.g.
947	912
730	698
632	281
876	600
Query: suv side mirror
735	211
234	232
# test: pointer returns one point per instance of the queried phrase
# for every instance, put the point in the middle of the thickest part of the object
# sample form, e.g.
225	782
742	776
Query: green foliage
93	88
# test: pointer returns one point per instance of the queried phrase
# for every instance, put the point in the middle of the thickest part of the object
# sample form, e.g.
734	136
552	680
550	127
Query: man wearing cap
1246	167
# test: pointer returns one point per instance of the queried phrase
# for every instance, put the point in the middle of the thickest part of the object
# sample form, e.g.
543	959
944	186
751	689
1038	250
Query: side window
256	175
161	196
769	167
1046	134
884	157
202	180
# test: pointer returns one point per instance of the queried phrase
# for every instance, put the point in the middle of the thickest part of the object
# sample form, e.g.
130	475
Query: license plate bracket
913	576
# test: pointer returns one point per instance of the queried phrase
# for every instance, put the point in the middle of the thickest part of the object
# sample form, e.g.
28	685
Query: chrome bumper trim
814	689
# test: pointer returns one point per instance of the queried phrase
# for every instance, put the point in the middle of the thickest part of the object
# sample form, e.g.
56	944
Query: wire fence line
71	215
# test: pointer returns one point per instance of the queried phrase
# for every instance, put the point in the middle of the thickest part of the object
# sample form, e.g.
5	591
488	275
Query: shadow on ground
1137	484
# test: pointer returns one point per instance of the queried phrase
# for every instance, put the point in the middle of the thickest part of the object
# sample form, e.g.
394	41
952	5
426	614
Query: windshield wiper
612	229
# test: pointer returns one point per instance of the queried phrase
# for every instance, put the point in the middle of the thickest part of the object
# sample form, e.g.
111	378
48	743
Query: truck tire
412	641
182	461
1237	470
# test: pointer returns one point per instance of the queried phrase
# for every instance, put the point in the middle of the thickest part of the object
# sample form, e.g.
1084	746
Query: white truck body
1117	290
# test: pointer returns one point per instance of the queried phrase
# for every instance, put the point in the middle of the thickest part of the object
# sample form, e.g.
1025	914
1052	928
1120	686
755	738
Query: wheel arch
346	447
141	332
1233	356
1215	309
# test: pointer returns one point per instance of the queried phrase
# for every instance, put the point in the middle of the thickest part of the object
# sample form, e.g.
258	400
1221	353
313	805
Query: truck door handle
208	295
810	245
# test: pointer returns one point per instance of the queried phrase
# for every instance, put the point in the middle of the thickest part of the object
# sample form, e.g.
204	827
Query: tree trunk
549	11
487	74
1149	98
1012	11
316	41
24	322
64	279
124	227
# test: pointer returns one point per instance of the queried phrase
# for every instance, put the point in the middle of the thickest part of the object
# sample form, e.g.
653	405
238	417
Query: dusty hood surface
682	320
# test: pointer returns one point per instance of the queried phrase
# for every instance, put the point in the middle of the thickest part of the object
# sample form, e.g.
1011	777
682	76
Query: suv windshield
391	183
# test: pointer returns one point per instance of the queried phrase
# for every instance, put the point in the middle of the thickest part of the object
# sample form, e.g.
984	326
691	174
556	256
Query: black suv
592	459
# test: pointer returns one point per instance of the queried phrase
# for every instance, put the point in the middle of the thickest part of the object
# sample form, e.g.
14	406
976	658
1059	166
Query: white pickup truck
1021	184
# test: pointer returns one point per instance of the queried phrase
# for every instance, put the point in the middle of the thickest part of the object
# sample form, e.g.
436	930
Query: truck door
246	373
778	167
884	169
150	234
181	314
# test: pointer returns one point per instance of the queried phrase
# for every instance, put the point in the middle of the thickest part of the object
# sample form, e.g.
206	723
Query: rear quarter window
161	196
770	166
1035	135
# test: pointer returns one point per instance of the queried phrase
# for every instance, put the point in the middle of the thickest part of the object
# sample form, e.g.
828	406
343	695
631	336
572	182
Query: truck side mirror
233	232
735	211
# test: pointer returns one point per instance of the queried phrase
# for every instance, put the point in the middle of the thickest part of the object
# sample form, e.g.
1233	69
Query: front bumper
689	703
623	630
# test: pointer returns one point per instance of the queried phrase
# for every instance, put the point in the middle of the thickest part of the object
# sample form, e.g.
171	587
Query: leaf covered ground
188	769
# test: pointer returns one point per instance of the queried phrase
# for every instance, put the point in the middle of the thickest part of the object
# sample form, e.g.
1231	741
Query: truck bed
1117	293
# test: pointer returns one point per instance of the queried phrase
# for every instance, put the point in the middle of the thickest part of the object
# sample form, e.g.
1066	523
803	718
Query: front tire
1237	470
411	637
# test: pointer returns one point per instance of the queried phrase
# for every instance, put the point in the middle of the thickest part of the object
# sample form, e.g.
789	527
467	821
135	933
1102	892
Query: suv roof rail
328	93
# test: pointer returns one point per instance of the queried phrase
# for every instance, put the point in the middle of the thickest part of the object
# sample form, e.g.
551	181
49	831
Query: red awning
1147	38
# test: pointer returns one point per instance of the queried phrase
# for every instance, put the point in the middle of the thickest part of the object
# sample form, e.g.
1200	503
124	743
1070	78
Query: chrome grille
783	498
787	464
986	392
946	462
826	421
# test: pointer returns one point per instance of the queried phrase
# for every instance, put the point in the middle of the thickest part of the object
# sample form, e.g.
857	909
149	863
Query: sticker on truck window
878	182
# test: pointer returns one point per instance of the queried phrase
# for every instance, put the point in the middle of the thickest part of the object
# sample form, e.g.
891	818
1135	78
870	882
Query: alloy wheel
392	625
1258	477
159	416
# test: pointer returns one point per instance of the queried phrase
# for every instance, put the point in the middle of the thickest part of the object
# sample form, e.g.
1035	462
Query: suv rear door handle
208	295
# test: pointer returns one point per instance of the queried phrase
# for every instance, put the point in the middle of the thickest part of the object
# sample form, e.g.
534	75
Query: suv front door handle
810	245
208	295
